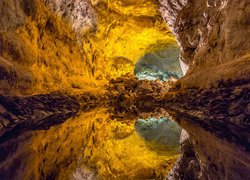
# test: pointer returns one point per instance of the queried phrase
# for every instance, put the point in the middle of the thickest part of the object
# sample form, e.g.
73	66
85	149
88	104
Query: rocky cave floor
223	110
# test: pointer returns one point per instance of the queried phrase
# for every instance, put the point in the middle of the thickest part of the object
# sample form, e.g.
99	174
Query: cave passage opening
162	64
162	132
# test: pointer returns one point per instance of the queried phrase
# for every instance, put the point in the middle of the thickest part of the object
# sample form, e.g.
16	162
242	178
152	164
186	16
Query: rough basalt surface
214	108
47	46
79	13
212	35
218	131
79	46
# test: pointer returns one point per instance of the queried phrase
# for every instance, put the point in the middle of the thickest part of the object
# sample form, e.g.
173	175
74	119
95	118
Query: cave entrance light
160	65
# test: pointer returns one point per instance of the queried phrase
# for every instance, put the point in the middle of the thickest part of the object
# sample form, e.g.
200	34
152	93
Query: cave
122	89
163	65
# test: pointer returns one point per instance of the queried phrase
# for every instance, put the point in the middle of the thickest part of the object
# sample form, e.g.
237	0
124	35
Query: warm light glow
60	58
94	142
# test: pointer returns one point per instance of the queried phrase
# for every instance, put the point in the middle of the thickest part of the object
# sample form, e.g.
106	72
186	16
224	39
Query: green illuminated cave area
163	64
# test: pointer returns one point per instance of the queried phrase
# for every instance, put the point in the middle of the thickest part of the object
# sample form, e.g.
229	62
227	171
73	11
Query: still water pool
92	145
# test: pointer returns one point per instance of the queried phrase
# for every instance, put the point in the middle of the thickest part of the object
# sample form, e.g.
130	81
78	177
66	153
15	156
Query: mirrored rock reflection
94	145
160	131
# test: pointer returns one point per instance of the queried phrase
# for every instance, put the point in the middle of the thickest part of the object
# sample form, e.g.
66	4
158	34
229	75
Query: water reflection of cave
161	132
162	64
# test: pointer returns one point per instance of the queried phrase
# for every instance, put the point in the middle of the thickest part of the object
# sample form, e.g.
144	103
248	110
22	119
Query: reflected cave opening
162	64
161	133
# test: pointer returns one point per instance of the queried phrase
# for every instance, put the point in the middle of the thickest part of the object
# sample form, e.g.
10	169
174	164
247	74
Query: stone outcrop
187	167
212	35
128	95
38	50
79	13
214	107
20	114
217	123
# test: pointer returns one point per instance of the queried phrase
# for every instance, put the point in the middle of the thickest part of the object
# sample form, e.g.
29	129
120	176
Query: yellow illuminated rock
126	30
52	55
92	143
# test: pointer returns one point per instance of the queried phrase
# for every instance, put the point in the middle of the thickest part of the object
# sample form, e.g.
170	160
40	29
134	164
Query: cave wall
52	45
63	45
214	45
39	51
212	35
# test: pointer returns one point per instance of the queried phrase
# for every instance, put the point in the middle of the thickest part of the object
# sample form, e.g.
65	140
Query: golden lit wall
44	53
126	31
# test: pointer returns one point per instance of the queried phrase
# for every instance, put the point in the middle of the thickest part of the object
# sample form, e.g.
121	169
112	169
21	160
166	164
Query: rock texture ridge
79	13
212	35
55	45
69	98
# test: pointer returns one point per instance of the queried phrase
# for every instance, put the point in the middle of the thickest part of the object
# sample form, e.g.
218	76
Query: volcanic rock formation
55	45
59	58
212	35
